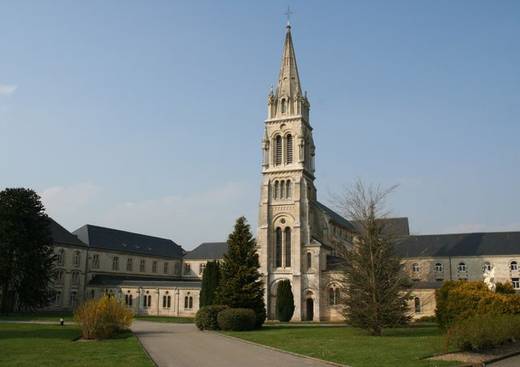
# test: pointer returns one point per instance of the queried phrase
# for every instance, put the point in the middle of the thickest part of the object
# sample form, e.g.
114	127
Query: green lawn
38	316
174	319
49	345
403	347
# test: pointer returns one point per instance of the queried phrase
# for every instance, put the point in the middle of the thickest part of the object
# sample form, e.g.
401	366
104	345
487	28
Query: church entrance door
310	309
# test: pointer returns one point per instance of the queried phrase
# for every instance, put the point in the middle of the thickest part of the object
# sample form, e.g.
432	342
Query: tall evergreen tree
284	301
210	282
376	286
241	285
26	252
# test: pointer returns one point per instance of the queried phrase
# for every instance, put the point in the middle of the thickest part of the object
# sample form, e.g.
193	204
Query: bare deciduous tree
376	289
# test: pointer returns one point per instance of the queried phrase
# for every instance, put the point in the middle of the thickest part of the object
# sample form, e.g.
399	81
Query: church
298	238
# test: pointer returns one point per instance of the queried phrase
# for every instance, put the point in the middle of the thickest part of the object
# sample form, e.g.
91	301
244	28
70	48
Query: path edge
279	350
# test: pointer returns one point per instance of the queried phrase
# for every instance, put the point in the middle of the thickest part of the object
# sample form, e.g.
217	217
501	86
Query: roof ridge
129	232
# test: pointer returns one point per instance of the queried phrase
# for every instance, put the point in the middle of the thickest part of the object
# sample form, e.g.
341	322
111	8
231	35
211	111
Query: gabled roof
208	250
335	217
460	244
117	240
61	236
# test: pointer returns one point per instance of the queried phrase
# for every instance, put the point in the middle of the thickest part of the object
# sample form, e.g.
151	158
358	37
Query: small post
62	322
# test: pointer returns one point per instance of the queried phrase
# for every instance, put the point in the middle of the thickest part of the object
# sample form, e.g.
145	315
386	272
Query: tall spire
288	81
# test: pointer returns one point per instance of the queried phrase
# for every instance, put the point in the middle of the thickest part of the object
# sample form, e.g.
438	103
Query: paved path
509	362
182	345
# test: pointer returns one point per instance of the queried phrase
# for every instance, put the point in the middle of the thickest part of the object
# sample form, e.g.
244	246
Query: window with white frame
202	266
515	282
513	266
142	265
415	268
461	267
165	268
439	268
187	268
154	266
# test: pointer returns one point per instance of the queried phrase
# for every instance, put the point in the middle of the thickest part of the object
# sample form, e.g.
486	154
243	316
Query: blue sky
148	116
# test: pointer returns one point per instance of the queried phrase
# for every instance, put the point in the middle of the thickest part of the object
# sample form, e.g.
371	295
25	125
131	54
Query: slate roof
63	237
335	262
460	244
117	240
397	226
208	250
335	217
116	280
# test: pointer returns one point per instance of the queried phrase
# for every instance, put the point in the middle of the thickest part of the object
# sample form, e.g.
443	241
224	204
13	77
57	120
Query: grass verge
49	345
404	347
38	316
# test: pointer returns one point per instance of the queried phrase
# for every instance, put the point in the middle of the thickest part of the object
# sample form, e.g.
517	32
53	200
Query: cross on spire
288	14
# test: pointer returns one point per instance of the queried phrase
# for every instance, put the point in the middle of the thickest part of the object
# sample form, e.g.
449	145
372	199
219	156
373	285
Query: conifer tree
210	282
376	287
284	301
241	285
26	251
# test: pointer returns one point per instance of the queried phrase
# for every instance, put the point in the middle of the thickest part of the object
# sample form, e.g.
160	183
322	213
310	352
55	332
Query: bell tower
287	189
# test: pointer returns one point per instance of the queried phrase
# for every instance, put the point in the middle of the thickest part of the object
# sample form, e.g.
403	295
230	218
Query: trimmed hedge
460	300
206	317
483	332
237	319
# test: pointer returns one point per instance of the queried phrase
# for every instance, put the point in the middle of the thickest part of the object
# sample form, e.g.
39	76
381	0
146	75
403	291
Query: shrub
206	317
483	332
459	300
426	319
102	318
505	288
284	301
237	319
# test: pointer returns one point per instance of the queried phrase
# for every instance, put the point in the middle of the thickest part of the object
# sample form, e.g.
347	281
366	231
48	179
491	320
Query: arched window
61	257
166	303
282	189
77	257
59	276
461	267
417	304
287	247
188	302
284	105
289	148
278	247
439	268
309	260
278	150
115	263
276	189
514	266
288	190
334	296
129	264
75	277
